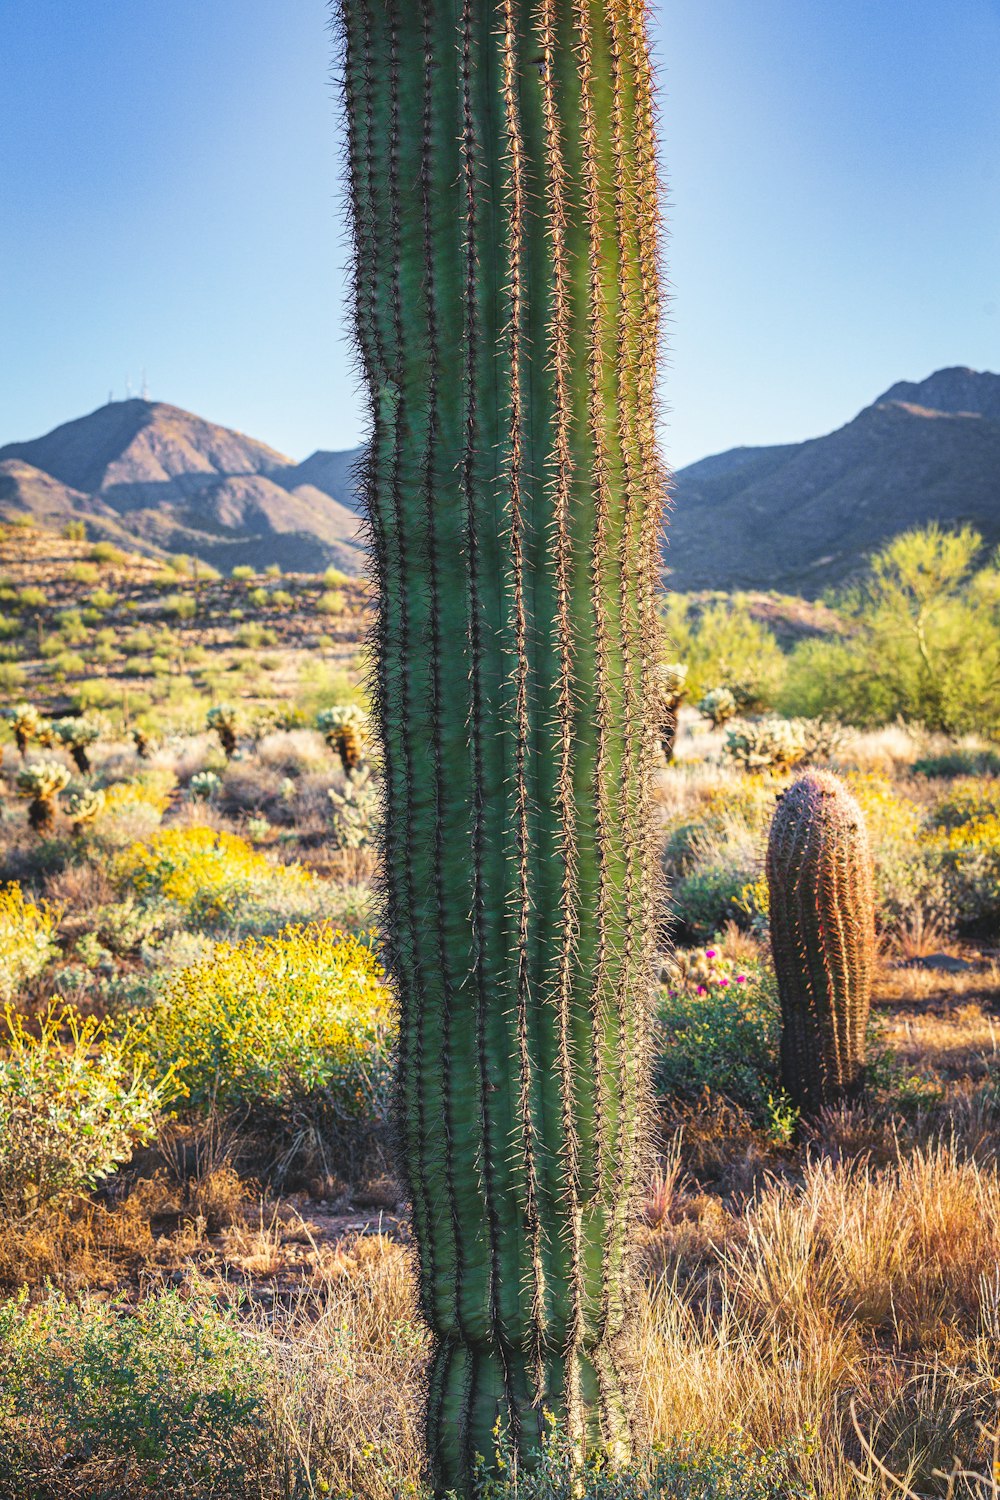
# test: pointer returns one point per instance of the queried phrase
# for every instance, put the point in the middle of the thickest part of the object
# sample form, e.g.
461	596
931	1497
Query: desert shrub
83	572
107	552
103	599
724	646
73	1103
32	597
27	939
241	572
969	799
331	602
718	1028
206	873
711	857
968	854
254	635
923	641
138	642
294	1029
12	677
282	599
103	1401
909	873
181	606
688	1470
958	763
75	531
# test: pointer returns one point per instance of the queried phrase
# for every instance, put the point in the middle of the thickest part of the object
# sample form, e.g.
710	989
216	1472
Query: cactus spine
819	875
502	171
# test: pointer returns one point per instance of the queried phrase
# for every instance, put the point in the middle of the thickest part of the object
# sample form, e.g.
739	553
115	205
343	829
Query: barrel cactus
822	902
41	781
504	200
344	728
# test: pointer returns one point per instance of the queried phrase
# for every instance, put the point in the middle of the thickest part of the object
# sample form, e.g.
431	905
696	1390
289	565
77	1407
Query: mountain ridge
792	517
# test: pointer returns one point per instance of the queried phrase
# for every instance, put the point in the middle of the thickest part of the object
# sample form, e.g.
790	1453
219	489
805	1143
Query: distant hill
795	518
158	479
804	516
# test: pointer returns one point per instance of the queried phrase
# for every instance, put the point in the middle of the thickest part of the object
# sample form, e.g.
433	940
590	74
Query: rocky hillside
158	479
802	517
795	519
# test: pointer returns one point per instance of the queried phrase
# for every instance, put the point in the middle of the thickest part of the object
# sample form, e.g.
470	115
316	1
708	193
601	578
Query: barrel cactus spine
502	172
822	901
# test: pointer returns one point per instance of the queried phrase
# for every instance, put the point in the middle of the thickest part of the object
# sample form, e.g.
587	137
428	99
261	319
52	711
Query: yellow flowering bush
969	855
202	870
128	796
295	1029
27	939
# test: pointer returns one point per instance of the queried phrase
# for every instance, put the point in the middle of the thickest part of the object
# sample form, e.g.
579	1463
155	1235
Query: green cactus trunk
819	875
504	196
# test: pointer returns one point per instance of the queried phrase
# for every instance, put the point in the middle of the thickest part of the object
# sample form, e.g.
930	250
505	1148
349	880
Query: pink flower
709	952
702	990
741	979
723	982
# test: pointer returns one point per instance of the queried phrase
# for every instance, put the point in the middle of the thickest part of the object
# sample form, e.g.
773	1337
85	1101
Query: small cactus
76	735
26	725
85	807
204	785
142	741
344	728
719	705
762	744
822	901
222	719
41	781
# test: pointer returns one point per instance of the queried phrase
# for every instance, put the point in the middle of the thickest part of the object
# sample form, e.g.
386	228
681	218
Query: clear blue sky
169	181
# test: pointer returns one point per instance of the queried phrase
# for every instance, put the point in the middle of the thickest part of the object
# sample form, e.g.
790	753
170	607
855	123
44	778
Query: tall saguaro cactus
502	170
819	873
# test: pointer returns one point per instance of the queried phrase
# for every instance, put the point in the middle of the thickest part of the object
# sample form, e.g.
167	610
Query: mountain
804	516
796	518
158	479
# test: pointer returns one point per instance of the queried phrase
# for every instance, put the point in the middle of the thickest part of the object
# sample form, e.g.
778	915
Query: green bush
83	572
104	1400
922	642
32	598
181	606
107	552
722	645
332	602
958	763
73	1104
687	1470
718	1028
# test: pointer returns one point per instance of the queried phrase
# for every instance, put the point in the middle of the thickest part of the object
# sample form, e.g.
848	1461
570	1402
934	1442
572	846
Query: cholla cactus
355	811
719	705
85	807
204	785
42	781
26	725
344	728
762	744
223	719
77	735
822	906
672	685
142	741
